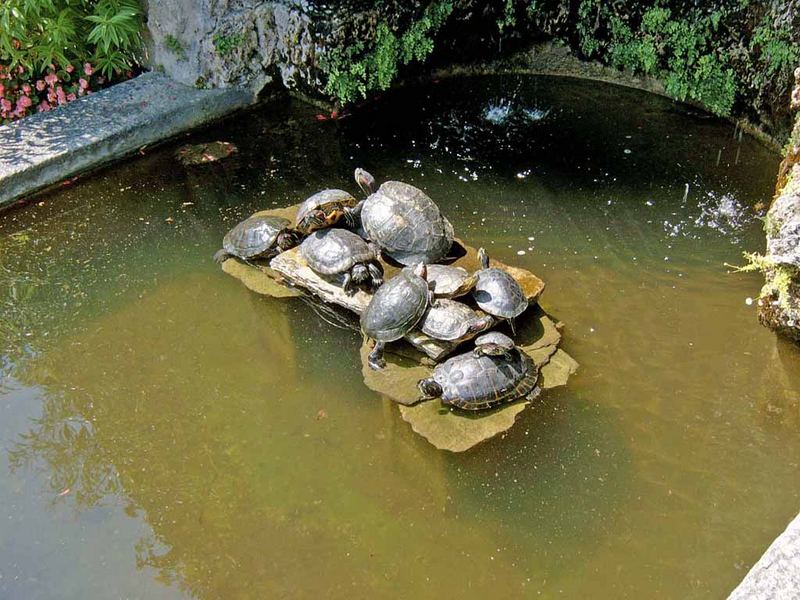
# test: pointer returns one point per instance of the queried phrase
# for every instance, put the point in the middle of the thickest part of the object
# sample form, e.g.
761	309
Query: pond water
164	433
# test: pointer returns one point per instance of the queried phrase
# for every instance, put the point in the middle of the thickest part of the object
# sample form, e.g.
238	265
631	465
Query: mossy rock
259	279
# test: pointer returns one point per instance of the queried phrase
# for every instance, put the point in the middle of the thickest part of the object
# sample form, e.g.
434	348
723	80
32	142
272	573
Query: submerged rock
413	359
201	154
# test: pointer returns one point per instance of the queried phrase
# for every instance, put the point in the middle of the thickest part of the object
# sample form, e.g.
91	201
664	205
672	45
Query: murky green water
167	434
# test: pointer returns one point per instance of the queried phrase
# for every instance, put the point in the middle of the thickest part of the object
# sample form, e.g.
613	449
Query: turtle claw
375	359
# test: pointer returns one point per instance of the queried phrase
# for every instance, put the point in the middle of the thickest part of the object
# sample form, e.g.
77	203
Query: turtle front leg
376	273
220	256
375	358
348	285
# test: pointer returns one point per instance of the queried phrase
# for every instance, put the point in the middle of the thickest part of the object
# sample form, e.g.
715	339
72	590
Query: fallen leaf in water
64	492
322	414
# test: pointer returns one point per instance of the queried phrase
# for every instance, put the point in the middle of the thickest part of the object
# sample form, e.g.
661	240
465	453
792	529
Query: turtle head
288	239
420	270
483	257
315	219
429	389
359	274
365	181
481	324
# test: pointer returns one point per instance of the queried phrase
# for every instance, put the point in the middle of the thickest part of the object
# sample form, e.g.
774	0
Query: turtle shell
406	224
499	294
477	383
255	236
331	202
449	281
332	251
396	307
448	320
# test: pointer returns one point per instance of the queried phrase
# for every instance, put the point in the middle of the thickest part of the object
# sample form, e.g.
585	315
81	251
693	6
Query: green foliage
225	44
509	17
174	45
38	33
775	51
679	49
361	67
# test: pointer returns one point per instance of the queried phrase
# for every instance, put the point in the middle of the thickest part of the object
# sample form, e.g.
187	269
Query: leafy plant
225	44
43	44
361	67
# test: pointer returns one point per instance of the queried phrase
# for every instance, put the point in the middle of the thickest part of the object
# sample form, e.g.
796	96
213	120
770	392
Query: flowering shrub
54	51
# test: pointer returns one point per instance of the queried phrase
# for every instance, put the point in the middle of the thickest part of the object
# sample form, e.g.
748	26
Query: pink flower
23	102
83	83
2	90
51	96
51	79
26	89
87	68
62	97
70	68
40	85
71	97
43	106
5	104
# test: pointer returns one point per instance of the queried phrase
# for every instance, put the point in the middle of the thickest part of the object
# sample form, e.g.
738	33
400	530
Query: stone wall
779	304
294	43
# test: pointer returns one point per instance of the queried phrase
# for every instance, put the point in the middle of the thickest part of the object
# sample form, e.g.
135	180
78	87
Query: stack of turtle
340	249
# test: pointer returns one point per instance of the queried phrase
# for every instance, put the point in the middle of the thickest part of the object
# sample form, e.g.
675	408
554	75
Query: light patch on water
723	213
535	113
498	112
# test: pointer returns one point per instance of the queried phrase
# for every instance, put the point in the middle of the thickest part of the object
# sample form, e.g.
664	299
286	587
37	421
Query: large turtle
453	321
497	292
258	236
324	209
403	221
335	251
395	309
450	282
474	382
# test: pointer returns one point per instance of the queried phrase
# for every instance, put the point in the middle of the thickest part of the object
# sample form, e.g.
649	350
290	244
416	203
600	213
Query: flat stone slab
776	575
46	148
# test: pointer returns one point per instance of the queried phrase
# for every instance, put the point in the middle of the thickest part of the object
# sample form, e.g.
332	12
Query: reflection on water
167	433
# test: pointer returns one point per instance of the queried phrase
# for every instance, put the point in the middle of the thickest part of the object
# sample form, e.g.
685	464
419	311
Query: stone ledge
45	148
776	575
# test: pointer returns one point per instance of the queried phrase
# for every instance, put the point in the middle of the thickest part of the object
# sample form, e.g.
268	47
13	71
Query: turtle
474	382
449	281
494	343
403	221
324	209
395	309
259	236
453	321
497	292
336	251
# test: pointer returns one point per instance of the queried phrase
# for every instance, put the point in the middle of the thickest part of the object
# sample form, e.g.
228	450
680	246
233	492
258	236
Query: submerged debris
200	154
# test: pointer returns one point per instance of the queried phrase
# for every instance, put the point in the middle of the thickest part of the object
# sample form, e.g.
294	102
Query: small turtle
258	236
497	292
336	251
450	282
474	382
403	221
494	343
453	321
396	307
324	209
